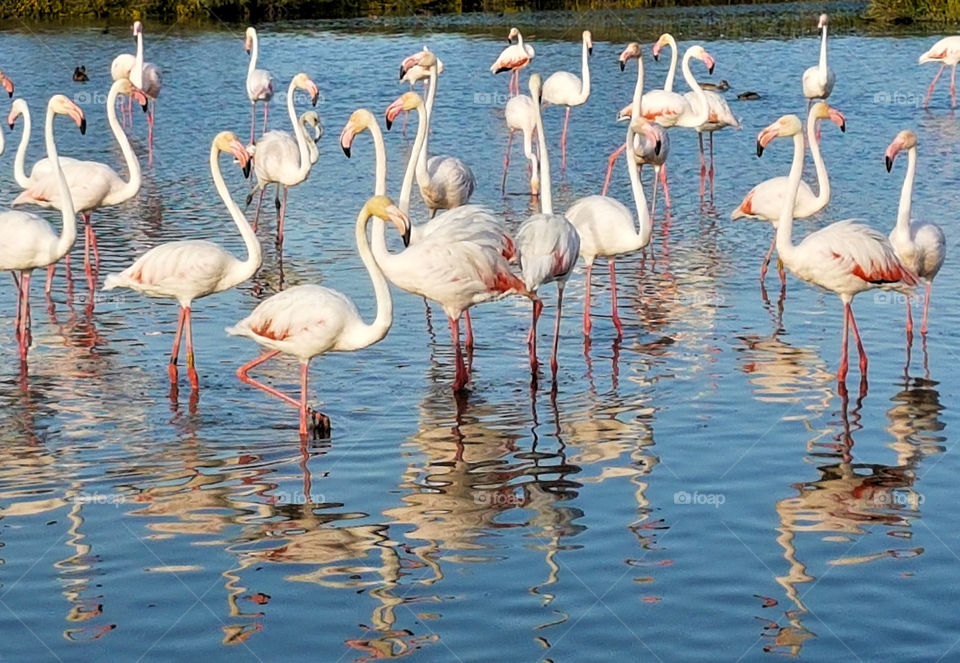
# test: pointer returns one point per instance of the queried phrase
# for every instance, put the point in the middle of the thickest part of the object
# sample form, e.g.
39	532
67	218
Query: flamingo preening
565	89
513	58
946	52
260	83
920	246
845	257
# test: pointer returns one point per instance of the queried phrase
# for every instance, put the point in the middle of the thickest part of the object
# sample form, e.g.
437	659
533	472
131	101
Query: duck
722	86
80	74
748	96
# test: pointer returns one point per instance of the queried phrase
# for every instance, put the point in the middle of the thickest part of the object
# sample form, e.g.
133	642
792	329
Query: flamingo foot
173	372
318	424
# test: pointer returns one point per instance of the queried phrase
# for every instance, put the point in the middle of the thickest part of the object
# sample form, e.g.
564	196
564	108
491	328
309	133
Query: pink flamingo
92	184
547	244
946	52
845	257
921	246
765	201
146	77
513	58
565	89
644	151
191	269
412	72
259	82
309	320
6	83
520	114
30	242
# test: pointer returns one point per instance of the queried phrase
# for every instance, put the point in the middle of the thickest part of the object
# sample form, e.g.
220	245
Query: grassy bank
915	11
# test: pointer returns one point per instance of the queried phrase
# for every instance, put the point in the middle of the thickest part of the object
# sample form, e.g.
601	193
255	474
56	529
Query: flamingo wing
765	201
548	247
152	80
260	85
184	270
850	250
451	180
29	241
90	183
562	88
276	157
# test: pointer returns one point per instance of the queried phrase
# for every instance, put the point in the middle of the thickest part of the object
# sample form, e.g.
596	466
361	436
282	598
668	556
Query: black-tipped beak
590	50
400	77
843	127
10	94
889	162
406	236
346	150
623	65
389	124
11	126
656	149
247	50
710	70
656	57
246	169
143	106
83	126
759	149
509	41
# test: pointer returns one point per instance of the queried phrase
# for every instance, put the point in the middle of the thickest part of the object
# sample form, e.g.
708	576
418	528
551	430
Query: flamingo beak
838	119
765	137
590	49
314	92
710	62
243	157
623	65
656	51
401	221
393	110
8	86
139	97
402	72
891	154
346	139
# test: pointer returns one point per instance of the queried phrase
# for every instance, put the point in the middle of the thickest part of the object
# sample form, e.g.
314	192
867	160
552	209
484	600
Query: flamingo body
947	52
818	80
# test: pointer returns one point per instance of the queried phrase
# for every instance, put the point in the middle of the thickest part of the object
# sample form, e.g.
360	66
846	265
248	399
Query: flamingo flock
464	254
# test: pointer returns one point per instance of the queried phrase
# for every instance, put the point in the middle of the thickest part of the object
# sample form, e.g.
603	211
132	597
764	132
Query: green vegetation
910	11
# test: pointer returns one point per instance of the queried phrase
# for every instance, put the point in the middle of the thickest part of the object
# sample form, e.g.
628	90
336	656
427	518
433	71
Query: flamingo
310	120
845	257
513	58
411	71
520	114
191	269
719	117
765	200
281	158
607	228
6	83
644	151
668	108
919	245
30	242
260	83
146	77
120	68
92	184
458	259
445	181
547	244
946	52
309	320
565	89
818	81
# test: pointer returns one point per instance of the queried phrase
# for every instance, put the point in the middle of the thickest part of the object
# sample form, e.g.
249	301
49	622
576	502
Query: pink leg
766	258
909	319
150	131
50	270
842	372
303	398
256	216
16	319
610	162
175	352
532	335
556	331
25	337
653	196
93	241
953	87
933	84
663	181
613	299
321	420
506	161
468	341
926	308
563	140
462	377
586	302
703	166
856	335
711	165
86	244
191	363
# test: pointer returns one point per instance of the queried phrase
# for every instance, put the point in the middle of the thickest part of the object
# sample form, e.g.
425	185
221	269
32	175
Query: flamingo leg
856	336
766	258
243	371
266	113
556	332
953	87
703	165
926	307
253	119
653	196
586	302
175	351
610	162
93	240
663	182
462	377
16	319
506	161
303	398
283	213
191	362
563	140
532	335
842	372
613	299
711	165
25	337
150	120
933	84
468	340
256	216
51	268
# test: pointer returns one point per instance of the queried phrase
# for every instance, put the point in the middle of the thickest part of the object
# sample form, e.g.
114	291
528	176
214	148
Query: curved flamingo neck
823	53
369	334
702	113
19	173
823	181
413	165
432	91
423	178
254	52
585	72
303	168
241	270
643	211
131	186
906	192
546	189
68	233
668	83
785	247
637	90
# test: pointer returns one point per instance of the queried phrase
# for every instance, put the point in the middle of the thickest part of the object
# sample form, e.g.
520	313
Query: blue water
698	490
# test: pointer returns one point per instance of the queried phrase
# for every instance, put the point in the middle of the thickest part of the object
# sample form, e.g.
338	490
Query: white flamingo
520	114
146	77
281	158
260	83
92	184
29	240
845	257
412	72
513	58
947	52
547	244
765	201
190	269
565	89
818	81
921	246
120	68
309	120
309	320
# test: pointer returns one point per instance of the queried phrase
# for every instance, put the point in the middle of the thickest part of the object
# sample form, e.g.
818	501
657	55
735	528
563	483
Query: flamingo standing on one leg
920	246
547	244
845	257
281	158
191	269
29	241
146	77
92	184
644	151
946	52
309	320
259	82
765	201
565	89
520	114
513	58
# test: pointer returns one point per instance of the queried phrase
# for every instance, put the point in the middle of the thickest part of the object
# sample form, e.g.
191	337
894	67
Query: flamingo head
249	37
428	60
664	40
643	126
124	86
303	82
905	140
536	87
625	113
60	105
514	34
227	141
632	51
823	111
18	108
359	121
137	28
788	125
405	102
384	208
311	119
822	22
7	84
700	53
588	40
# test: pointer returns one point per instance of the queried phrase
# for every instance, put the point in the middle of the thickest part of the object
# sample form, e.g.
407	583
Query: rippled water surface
697	490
